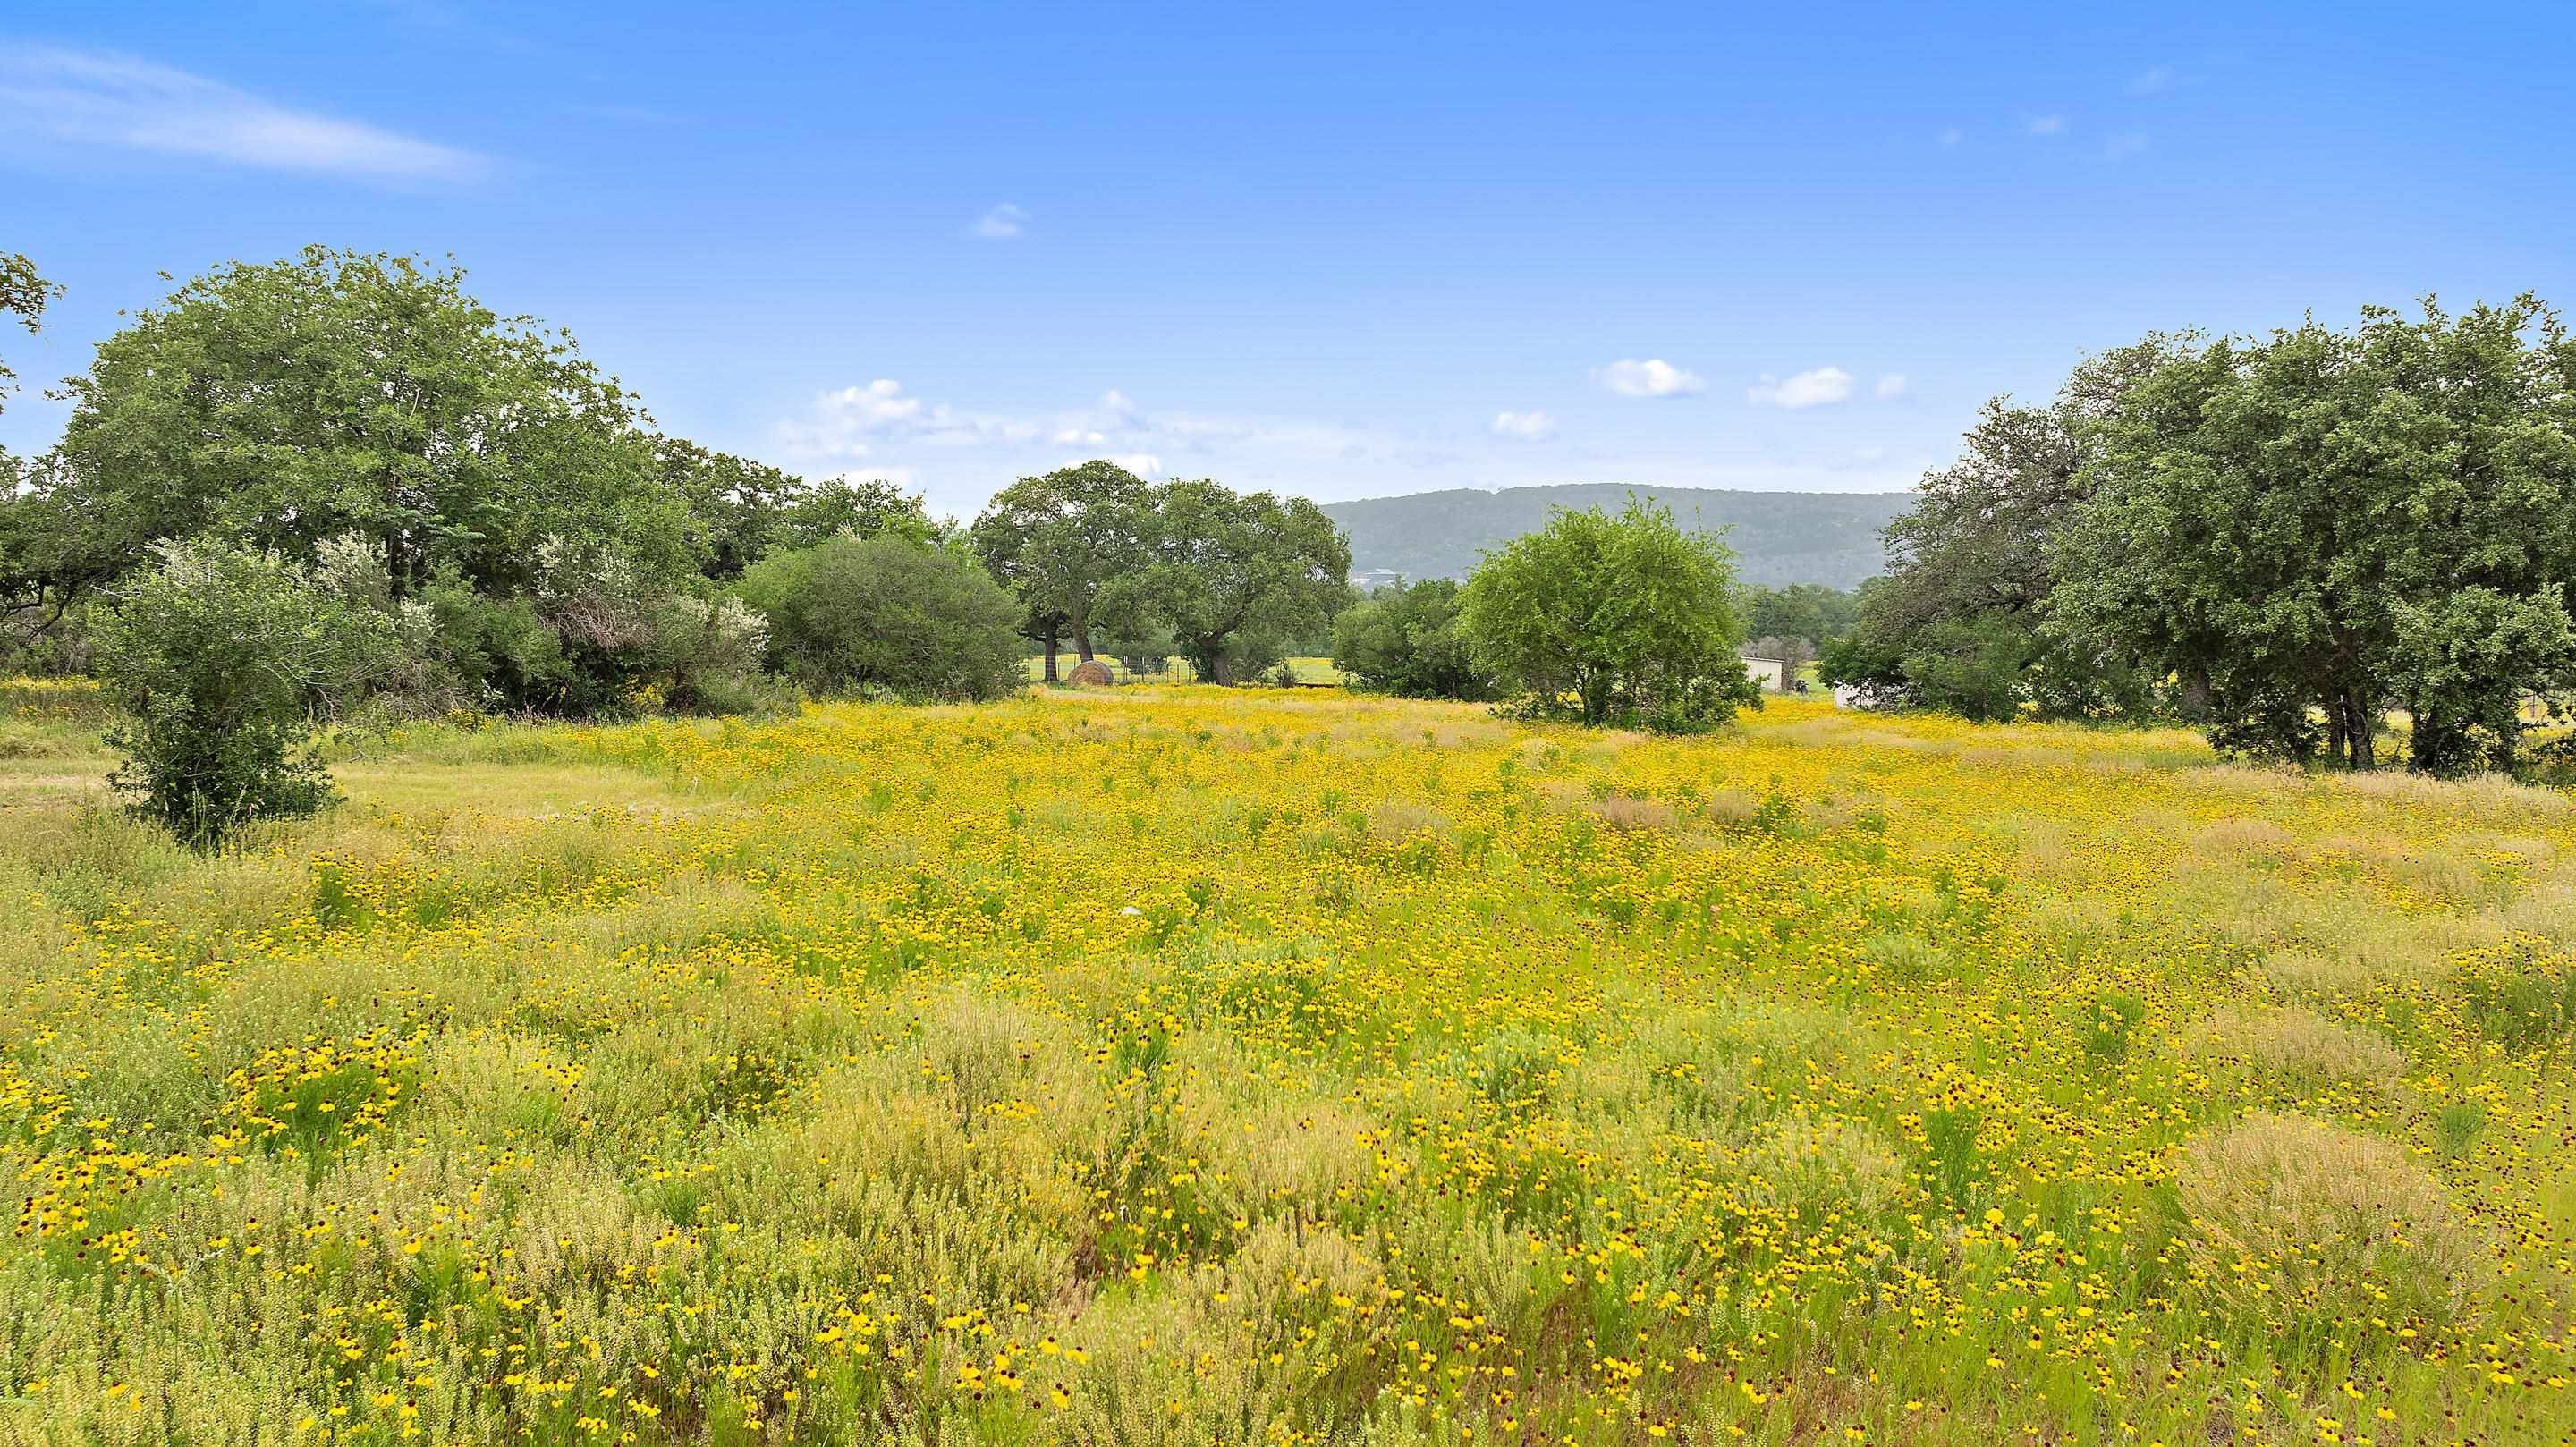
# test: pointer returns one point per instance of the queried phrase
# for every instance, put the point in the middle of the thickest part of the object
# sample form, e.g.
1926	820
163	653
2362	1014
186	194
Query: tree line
2304	542
338	482
298	489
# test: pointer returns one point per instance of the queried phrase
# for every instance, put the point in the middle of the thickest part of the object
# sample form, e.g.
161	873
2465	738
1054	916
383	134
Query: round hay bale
1090	673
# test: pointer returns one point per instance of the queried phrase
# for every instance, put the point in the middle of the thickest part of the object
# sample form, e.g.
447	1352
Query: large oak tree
1057	540
2329	523
1233	576
335	393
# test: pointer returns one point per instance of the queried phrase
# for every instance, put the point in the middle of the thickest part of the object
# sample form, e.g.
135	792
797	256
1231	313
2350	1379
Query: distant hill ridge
1782	537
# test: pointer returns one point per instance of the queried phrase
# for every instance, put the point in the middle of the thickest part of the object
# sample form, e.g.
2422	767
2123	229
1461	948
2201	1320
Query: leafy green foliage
2334	522
888	613
219	657
627	627
24	294
35	540
1405	641
751	509
1959	621
499	650
1615	619
1793	622
281	405
1233	576
533	547
1056	541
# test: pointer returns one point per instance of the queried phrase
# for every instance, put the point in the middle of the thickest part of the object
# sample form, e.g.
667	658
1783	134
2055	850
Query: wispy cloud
1950	135
1807	389
1001	223
97	98
2045	125
2122	147
1891	385
849	421
879	418
956	457
1653	377
2154	80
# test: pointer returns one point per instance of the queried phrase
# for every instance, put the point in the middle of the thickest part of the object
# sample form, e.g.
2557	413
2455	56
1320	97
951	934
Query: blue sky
1345	251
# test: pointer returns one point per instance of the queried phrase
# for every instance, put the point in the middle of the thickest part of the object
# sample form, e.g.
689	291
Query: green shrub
219	659
1405	641
889	613
632	633
1612	620
501	651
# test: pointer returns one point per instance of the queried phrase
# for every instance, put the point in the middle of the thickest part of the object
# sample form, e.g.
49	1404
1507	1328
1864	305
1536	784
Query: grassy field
1191	1066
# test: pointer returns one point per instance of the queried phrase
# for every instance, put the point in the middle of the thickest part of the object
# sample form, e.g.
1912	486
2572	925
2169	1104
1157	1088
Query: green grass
1191	1065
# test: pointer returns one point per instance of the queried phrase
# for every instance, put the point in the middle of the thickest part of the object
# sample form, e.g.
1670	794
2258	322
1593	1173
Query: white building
1769	674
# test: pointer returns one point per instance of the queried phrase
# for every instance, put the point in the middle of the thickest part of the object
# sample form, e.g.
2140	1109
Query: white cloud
1891	385
1951	135
2153	80
1807	389
842	423
903	477
2123	147
1527	426
97	98
2045	125
880	406
1653	377
883	423
1000	224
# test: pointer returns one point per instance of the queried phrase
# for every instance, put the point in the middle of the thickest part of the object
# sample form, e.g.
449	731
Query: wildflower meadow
1187	1065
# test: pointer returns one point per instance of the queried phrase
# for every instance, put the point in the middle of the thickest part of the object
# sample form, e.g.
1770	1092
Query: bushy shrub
220	658
1624	619
2302	1224
888	613
625	628
1405	641
599	632
500	650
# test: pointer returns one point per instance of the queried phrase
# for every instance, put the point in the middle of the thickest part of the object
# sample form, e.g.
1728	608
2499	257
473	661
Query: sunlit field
1177	670
1184	1065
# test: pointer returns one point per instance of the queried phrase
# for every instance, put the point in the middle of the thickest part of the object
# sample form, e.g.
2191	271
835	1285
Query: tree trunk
2358	722
1082	640
2195	694
1050	655
2427	742
1207	660
2335	731
397	564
